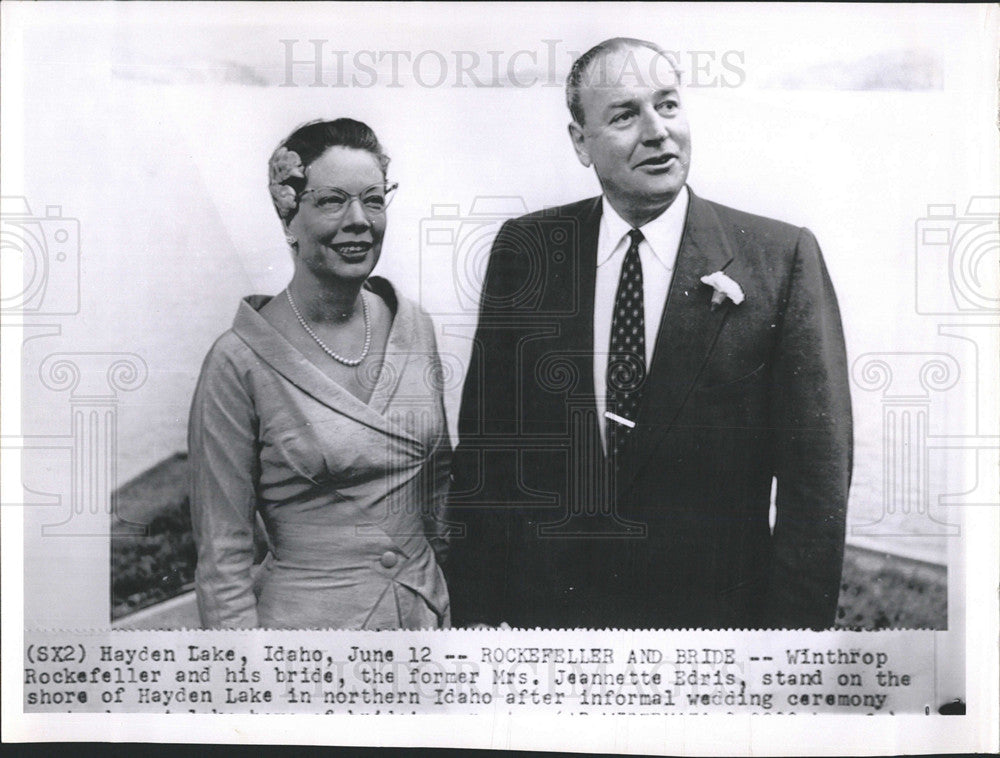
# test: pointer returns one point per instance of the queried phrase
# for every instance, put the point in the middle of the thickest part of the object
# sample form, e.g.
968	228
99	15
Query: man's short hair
582	65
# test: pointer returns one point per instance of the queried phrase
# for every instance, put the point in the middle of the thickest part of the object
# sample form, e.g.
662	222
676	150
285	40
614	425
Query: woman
321	410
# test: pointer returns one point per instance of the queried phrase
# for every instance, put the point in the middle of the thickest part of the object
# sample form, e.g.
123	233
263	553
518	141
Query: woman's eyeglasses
333	201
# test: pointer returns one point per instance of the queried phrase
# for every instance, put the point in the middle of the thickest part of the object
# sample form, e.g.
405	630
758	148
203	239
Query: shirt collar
663	233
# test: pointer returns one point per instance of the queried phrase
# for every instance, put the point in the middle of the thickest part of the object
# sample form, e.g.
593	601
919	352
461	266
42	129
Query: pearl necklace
327	350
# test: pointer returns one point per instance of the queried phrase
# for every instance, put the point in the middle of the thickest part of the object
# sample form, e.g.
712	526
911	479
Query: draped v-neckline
277	351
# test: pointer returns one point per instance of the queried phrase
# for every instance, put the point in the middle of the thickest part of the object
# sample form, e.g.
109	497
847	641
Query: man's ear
579	143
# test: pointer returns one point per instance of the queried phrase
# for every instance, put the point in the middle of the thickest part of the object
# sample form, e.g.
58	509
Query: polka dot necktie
627	360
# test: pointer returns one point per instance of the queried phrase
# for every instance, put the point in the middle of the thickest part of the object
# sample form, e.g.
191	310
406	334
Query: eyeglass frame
388	188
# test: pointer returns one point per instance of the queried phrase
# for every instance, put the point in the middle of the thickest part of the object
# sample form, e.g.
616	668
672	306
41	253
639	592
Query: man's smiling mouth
657	160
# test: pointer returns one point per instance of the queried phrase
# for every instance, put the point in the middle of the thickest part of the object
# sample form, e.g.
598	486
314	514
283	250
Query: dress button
388	559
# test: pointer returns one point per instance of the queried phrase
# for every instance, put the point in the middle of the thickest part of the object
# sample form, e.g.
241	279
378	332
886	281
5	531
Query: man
647	364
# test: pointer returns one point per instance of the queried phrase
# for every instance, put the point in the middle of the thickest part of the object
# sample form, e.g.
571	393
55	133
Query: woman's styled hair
307	143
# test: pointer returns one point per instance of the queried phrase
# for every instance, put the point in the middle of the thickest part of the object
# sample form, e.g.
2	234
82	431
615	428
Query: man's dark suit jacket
735	397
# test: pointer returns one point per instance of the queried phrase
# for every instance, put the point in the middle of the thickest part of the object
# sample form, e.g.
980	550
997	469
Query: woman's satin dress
351	493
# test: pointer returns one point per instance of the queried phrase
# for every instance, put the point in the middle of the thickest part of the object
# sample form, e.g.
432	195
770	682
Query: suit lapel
686	336
579	327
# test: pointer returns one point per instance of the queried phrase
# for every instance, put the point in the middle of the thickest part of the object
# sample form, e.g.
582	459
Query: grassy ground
152	551
883	591
153	558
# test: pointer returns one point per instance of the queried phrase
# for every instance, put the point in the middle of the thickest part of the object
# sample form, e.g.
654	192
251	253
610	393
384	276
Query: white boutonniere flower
725	288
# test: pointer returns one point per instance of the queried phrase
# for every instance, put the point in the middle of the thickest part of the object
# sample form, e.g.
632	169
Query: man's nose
654	127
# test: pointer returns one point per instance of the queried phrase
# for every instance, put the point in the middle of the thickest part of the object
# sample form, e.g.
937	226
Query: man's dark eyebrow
621	104
631	101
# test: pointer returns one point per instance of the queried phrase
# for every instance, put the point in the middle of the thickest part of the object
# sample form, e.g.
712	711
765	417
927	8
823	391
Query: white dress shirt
657	253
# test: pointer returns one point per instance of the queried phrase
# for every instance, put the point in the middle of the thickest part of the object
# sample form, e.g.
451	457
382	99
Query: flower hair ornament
725	289
285	164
